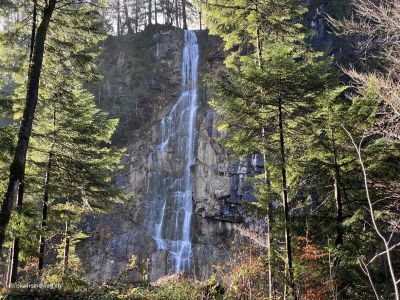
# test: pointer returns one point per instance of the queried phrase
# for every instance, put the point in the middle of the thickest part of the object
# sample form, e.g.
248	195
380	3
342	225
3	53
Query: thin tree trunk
266	176
259	47
268	221
168	12
42	239
14	261
286	203
17	168
184	16
66	247
137	16
118	18
176	14
200	19
339	207
269	253
338	194
9	265
45	210
155	12
128	21
33	32
385	241
149	13
364	268
16	240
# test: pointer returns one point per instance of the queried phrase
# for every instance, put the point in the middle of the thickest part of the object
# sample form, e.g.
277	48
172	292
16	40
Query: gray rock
140	87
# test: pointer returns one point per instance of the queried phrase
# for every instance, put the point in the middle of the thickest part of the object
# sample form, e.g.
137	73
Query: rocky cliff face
142	75
142	81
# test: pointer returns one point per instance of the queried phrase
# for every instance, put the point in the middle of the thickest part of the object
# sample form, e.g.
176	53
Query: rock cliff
142	75
142	81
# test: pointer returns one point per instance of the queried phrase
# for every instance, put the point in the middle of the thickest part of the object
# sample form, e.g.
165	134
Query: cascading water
169	186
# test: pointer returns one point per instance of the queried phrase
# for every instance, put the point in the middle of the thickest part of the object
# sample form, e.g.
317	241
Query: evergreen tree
17	168
266	96
79	160
71	46
70	162
279	98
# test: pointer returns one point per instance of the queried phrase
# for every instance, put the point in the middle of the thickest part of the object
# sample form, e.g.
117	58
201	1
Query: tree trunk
338	194
128	21
259	47
12	275
16	240
200	19
66	247
168	12
149	13
33	32
14	261
268	218
286	203
266	176
17	168
176	14
44	211
137	16
269	253
118	18
385	241
155	12
268	221
9	265
184	16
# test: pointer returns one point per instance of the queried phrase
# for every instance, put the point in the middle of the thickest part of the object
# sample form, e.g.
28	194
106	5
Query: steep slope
142	81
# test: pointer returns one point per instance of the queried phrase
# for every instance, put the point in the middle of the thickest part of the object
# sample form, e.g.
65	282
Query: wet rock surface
142	81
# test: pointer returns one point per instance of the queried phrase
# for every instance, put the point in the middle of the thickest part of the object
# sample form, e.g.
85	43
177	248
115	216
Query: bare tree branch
388	249
376	26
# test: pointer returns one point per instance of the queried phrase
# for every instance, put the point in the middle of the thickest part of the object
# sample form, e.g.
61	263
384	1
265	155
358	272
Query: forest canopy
310	86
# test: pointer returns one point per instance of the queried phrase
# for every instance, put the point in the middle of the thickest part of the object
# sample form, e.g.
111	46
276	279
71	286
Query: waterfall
169	186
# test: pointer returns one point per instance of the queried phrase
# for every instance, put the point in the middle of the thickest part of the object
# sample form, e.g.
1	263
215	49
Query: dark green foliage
325	186
276	97
67	124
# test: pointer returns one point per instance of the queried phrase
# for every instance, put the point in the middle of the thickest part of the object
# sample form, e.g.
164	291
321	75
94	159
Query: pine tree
272	101
70	161
79	160
17	168
71	49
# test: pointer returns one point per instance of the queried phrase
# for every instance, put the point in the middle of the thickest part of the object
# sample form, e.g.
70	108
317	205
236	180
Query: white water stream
169	187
